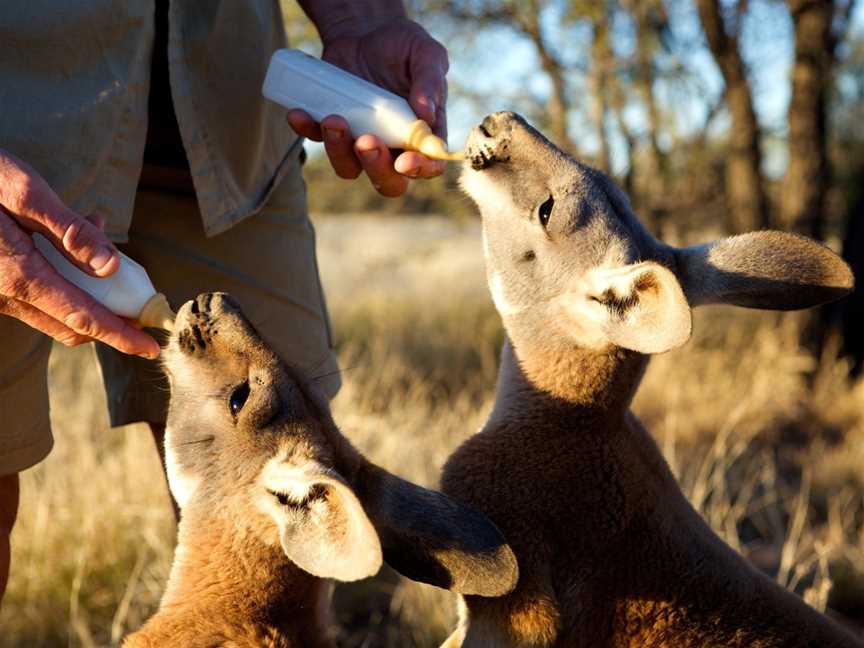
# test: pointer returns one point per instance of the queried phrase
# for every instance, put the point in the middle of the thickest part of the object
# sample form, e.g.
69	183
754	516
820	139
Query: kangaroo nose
489	142
214	303
489	126
498	123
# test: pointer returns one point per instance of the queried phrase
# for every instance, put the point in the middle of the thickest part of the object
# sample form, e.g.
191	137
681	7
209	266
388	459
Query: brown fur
275	501
225	592
610	552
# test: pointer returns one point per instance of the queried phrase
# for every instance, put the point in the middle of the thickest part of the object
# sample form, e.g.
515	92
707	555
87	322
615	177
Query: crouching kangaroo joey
275	501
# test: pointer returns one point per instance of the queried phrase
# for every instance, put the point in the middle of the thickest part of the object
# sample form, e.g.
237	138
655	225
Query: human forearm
336	19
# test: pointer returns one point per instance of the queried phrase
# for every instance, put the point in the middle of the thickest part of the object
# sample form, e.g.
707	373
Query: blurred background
716	117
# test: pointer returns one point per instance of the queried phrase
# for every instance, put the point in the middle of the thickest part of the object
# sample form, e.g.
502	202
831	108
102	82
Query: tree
600	78
747	203
807	179
650	19
618	101
846	138
524	17
527	20
651	22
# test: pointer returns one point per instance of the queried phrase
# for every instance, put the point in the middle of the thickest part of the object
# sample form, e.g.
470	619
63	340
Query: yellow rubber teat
157	313
422	139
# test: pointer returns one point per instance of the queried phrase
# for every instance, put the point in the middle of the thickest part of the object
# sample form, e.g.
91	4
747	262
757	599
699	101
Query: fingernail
371	155
332	135
102	257
412	173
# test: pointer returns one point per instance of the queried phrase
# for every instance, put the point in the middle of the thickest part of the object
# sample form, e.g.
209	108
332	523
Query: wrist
348	29
341	20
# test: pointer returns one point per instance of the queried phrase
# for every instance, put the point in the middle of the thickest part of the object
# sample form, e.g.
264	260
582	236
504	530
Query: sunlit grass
767	442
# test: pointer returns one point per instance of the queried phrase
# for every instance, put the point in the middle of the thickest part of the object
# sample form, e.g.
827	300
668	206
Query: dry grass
768	443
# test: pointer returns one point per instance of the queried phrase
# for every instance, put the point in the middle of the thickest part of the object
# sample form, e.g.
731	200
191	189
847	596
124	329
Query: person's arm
374	39
31	290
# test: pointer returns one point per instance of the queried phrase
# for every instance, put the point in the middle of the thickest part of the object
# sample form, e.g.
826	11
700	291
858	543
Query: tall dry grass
768	443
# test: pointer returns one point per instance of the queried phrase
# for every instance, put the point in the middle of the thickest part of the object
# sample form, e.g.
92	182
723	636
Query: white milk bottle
128	292
297	80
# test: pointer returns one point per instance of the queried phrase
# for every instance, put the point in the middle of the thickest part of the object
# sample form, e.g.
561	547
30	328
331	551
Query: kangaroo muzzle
489	143
196	320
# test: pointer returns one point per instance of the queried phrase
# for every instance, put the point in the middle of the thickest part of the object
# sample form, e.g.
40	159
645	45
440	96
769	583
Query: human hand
31	290
399	55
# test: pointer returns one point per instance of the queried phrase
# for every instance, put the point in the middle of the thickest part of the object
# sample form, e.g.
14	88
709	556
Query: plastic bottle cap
157	313
421	138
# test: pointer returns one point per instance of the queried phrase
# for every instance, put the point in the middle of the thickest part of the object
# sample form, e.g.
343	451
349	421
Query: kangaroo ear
771	270
639	307
322	526
431	538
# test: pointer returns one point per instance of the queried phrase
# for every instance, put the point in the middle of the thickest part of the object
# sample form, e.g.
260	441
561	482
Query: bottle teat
157	313
422	139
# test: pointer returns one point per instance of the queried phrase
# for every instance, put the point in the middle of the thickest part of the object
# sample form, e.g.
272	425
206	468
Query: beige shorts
267	262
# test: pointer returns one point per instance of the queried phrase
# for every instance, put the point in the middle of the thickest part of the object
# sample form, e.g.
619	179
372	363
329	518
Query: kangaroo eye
238	398
545	211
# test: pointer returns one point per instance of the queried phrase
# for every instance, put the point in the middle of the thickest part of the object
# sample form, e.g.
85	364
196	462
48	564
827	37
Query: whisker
207	439
335	373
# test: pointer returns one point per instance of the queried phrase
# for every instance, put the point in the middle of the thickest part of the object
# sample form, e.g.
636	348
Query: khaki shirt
74	83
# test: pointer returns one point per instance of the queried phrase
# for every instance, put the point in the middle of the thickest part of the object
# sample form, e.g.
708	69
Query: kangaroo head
569	264
249	441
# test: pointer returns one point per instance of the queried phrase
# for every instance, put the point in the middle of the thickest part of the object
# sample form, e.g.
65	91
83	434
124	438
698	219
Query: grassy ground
768	443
